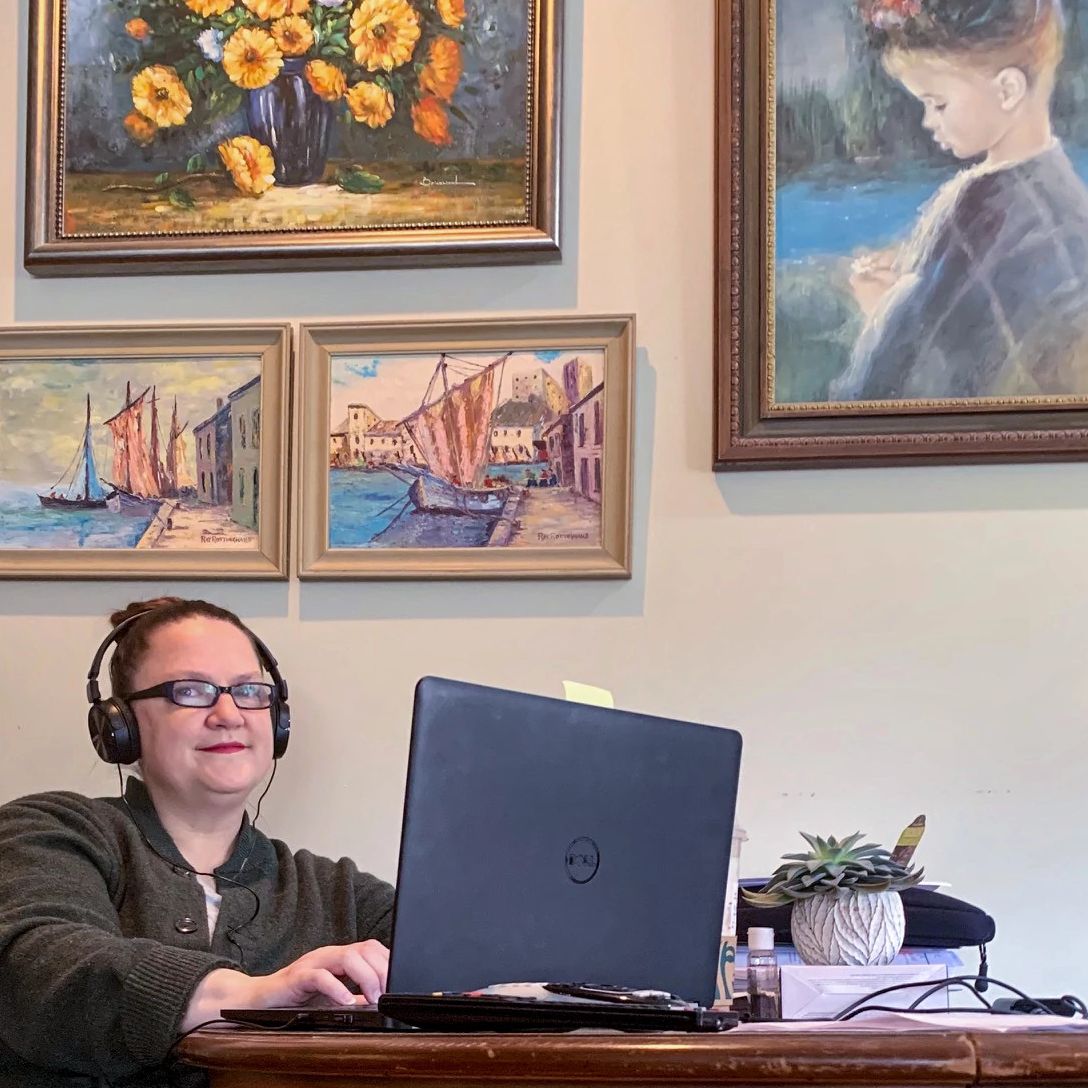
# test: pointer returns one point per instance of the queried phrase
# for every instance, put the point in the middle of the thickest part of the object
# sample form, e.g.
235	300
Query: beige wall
889	641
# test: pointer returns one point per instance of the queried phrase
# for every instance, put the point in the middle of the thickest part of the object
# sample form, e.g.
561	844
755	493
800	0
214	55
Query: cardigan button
185	925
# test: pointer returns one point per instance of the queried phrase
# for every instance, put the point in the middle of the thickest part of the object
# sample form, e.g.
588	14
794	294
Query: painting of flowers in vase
203	133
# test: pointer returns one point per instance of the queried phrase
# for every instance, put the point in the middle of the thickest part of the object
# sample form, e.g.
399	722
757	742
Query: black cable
230	933
948	984
861	1005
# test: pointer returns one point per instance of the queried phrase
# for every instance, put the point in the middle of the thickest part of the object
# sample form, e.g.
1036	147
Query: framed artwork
144	451
241	135
902	232
466	449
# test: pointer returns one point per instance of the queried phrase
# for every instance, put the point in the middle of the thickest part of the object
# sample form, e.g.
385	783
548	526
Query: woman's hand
323	972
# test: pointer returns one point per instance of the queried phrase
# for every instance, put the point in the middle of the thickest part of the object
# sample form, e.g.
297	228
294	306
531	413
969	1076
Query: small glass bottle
764	987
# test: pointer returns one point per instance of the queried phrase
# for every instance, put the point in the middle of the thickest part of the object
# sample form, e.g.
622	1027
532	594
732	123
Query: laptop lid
547	840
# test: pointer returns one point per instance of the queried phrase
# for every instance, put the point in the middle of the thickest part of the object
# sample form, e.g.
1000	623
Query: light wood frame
318	344
272	345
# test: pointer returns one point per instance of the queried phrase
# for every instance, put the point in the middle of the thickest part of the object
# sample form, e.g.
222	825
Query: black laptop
548	840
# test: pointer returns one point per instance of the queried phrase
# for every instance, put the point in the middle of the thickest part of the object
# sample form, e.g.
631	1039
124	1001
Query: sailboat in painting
140	479
80	489
452	433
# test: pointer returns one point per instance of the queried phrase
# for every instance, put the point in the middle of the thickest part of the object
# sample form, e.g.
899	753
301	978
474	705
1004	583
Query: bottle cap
760	939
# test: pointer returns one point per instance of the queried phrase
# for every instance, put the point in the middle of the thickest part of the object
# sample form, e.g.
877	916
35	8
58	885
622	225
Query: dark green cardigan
96	966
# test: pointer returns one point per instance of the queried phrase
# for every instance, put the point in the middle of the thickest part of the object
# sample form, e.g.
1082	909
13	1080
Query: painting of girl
956	158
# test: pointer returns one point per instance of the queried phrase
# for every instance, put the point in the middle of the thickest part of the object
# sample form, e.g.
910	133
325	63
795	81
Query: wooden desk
239	1058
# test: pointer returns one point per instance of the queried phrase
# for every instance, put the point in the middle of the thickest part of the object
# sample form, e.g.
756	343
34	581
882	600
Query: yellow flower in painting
250	163
269	9
140	29
293	35
430	120
251	58
326	79
160	96
384	33
207	8
442	71
298	7
452	12
140	128
370	104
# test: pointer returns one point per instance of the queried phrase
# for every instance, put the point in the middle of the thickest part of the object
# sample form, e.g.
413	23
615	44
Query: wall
888	641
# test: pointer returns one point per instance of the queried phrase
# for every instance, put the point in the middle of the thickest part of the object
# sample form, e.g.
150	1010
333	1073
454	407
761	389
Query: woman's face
199	755
967	110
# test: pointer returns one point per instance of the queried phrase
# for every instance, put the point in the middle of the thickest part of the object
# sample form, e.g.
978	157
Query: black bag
933	920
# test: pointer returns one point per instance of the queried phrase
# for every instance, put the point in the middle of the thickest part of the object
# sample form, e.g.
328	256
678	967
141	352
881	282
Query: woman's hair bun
139	608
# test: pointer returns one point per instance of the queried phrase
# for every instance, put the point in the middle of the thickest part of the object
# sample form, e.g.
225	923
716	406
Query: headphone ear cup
281	728
114	731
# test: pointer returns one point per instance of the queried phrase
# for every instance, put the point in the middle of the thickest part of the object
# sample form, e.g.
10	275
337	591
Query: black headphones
115	733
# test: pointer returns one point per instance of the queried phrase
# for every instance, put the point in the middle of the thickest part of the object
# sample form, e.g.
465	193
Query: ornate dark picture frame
755	428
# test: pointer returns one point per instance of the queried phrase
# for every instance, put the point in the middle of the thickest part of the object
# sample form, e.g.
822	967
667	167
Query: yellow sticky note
587	693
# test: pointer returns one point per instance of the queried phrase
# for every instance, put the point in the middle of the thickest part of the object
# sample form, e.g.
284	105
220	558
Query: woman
127	921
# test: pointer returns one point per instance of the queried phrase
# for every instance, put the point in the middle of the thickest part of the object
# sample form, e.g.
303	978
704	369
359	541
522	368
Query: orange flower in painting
298	7
250	163
452	12
160	96
268	9
441	73
326	79
140	129
430	120
251	58
370	104
384	33
207	8
140	29
293	35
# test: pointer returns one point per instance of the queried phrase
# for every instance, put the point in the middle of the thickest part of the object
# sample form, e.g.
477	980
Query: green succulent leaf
833	866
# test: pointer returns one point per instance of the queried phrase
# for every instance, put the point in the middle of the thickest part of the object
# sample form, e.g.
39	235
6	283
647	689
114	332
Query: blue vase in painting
288	117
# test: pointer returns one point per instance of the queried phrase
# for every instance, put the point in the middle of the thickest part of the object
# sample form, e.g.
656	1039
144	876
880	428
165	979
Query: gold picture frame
183	186
144	451
489	448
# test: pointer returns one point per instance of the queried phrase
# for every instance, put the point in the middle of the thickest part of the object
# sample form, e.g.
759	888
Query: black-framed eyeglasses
248	695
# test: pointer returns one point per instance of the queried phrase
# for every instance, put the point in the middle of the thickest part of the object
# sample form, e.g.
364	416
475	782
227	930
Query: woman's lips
224	748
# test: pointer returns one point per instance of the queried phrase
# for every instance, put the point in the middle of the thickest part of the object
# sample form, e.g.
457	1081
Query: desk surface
253	1059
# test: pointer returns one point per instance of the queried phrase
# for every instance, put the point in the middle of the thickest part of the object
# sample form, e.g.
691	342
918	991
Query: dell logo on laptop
583	859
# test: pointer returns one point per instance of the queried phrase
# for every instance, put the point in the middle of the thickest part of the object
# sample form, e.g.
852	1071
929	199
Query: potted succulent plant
845	898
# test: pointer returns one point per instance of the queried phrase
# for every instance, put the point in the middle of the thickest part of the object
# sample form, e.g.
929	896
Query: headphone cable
229	933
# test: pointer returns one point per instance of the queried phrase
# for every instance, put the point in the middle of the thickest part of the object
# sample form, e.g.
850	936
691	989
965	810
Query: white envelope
813	993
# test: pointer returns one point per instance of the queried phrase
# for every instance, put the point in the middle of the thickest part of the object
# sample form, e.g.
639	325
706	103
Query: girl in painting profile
989	296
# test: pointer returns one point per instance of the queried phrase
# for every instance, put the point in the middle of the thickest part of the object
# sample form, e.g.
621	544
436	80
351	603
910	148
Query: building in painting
577	380
214	484
559	445
361	418
514	445
338	449
587	424
541	385
245	426
389	442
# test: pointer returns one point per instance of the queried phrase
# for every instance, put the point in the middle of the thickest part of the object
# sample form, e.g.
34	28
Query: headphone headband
114	730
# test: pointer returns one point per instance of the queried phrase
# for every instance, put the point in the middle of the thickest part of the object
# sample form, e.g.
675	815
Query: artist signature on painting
551	538
452	183
209	537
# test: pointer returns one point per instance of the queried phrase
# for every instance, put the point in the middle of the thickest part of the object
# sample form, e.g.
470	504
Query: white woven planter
848	928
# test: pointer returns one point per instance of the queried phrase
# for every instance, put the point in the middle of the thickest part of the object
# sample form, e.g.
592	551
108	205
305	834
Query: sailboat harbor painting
140	451
497	449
